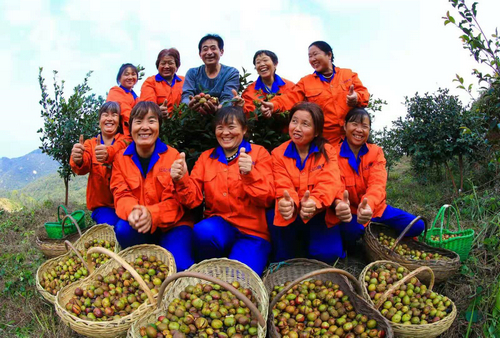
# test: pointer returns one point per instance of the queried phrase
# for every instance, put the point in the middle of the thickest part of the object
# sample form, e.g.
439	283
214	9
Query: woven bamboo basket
117	327
300	269
430	330
102	231
220	271
56	247
442	269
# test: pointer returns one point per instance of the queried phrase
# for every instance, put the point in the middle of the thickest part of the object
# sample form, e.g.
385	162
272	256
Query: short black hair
325	47
122	70
220	42
357	115
141	109
273	56
228	114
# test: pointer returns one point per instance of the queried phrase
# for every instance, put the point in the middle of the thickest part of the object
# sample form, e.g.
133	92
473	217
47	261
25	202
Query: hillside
15	173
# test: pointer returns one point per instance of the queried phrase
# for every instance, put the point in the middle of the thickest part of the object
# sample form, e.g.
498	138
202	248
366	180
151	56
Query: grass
24	313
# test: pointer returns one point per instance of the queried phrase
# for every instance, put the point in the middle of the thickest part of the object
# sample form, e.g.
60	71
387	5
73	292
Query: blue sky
396	47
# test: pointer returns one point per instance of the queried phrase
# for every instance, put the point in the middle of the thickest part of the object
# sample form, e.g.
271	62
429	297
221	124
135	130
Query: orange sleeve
121	142
290	97
189	189
87	160
168	212
122	193
282	182
148	90
249	95
258	183
363	95
377	182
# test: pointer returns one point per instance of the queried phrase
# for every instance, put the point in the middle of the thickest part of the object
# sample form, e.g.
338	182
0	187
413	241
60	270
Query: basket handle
215	280
69	247
400	282
408	227
61	206
72	220
441	215
127	266
312	274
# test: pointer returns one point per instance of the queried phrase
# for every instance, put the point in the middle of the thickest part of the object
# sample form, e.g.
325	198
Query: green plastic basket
461	245
58	230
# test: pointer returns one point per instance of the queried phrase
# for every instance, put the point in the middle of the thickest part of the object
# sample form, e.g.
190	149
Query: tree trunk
461	166
66	185
451	175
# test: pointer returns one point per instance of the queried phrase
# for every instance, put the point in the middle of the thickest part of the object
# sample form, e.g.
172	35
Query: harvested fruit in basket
66	271
205	310
117	294
445	237
98	258
411	303
316	308
405	251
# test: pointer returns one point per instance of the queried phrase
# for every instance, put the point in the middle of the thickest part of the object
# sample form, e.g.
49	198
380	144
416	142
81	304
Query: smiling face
229	135
167	67
210	52
319	60
128	78
109	123
357	132
145	131
265	66
301	128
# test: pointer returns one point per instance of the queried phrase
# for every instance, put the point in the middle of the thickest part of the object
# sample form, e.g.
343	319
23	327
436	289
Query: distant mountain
18	172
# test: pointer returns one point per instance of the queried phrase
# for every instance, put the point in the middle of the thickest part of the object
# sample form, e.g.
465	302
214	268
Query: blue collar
175	79
345	151
292	152
278	82
102	141
221	157
129	91
160	148
324	79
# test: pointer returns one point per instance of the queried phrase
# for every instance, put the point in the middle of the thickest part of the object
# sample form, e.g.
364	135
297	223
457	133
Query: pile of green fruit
117	294
316	308
411	303
405	251
98	258
66	271
205	310
445	237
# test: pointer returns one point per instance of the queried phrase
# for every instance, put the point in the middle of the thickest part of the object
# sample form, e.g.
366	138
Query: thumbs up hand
101	151
237	100
77	151
352	97
164	109
365	213
307	206
179	168
245	162
286	206
267	108
342	208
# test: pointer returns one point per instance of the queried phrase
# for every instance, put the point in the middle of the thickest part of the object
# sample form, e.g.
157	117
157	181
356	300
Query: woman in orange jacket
362	168
165	88
268	82
124	94
334	89
236	180
142	188
94	157
307	182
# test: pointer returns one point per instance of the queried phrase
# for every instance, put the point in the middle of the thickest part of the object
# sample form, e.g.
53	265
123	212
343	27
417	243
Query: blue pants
105	215
312	240
396	218
177	240
215	237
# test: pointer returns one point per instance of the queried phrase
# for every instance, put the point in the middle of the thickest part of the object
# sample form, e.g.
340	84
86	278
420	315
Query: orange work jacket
320	177
239	199
157	90
368	181
127	100
251	94
98	191
131	188
330	96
